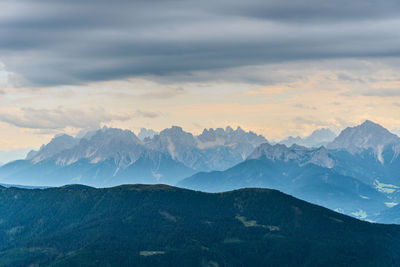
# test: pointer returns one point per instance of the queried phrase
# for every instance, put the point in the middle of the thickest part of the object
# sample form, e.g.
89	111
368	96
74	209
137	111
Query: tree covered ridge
165	225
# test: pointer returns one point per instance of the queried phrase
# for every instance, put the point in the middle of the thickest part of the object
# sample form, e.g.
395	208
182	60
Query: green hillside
143	225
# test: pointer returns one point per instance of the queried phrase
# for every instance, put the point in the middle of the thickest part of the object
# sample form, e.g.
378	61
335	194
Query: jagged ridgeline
144	225
356	173
110	157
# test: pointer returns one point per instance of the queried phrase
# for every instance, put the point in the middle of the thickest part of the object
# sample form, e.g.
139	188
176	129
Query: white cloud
58	118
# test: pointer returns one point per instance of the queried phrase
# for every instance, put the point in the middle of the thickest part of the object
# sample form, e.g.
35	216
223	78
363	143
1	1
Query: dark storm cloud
315	10
72	42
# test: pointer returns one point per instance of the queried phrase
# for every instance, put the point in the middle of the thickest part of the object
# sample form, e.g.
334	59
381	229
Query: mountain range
299	171
109	156
159	225
357	173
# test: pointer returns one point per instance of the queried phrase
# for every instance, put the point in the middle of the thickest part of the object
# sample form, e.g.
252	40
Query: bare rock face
56	145
299	154
110	156
368	135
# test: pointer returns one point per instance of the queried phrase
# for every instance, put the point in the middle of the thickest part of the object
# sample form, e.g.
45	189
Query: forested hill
135	225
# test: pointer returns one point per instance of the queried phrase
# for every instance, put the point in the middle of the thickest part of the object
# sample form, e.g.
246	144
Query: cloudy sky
276	67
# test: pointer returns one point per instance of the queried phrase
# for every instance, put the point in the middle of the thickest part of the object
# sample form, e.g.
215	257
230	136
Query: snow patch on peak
379	154
391	204
385	188
171	148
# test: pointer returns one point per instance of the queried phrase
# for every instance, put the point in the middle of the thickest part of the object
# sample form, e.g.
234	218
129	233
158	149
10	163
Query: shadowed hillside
162	225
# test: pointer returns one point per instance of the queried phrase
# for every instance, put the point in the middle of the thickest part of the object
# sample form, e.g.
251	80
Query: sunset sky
276	67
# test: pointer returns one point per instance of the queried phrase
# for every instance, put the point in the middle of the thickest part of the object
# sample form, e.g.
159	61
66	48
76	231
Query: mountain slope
160	225
15	154
369	153
150	167
55	146
391	215
299	154
109	157
312	183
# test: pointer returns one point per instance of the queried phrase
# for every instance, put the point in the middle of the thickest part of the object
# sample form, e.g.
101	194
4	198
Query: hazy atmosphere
199	133
277	68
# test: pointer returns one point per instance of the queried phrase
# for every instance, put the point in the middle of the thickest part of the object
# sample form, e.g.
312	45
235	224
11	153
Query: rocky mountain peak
368	135
299	154
55	146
